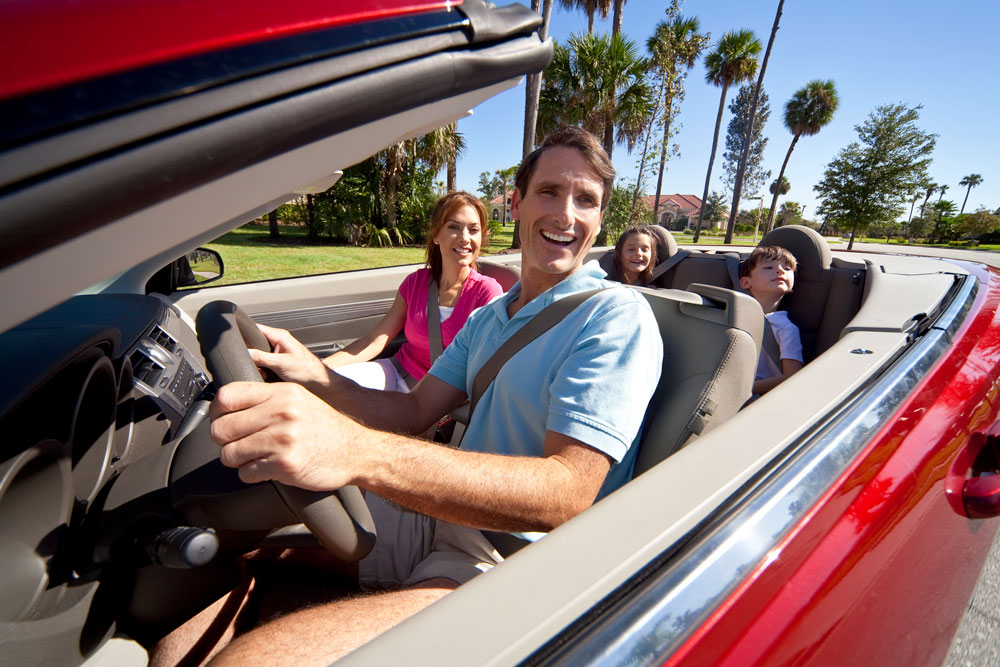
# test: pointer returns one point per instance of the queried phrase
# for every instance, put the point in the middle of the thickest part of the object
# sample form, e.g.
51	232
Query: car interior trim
31	219
148	236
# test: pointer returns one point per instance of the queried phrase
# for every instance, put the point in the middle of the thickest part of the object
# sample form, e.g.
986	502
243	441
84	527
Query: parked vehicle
841	518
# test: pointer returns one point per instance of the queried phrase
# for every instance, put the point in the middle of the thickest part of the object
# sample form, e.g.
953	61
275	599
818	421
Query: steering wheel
340	520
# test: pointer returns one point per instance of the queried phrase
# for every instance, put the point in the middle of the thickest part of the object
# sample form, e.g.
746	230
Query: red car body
881	570
877	568
99	38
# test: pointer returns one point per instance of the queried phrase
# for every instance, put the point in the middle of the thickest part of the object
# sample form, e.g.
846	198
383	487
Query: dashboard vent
163	339
144	369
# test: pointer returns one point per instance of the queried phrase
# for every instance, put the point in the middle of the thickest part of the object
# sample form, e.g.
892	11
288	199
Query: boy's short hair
764	254
581	140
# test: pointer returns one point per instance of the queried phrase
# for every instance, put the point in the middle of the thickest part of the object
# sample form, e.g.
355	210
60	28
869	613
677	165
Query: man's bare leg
198	640
292	578
324	633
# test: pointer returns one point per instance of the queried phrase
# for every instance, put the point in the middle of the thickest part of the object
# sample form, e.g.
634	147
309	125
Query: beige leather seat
827	292
711	340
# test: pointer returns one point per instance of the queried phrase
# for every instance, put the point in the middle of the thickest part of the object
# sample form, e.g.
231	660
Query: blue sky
940	55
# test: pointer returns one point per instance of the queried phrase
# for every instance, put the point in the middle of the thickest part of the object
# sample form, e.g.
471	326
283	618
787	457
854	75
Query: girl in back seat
635	255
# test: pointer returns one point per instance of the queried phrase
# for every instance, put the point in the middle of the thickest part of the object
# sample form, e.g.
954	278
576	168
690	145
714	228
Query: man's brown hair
764	254
581	140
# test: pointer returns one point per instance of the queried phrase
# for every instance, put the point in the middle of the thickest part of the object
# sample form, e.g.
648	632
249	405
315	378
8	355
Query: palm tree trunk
741	170
310	221
609	135
964	201
590	23
642	160
616	23
272	222
912	204
777	189
668	104
711	160
533	87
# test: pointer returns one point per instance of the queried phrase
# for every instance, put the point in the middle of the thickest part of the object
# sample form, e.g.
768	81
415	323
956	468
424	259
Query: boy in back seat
768	275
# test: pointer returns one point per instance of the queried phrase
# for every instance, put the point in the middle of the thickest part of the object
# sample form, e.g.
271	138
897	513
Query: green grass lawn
250	255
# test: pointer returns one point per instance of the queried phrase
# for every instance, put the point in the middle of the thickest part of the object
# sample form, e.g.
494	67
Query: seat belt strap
544	320
769	345
733	265
668	263
434	321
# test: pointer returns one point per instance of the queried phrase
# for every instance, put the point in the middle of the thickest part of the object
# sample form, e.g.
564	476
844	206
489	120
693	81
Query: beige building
495	209
674	209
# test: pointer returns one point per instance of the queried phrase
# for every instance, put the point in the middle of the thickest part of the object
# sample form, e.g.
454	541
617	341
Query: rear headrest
666	246
505	274
811	250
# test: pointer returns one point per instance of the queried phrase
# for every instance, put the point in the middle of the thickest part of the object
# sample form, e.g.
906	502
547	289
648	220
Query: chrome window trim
657	611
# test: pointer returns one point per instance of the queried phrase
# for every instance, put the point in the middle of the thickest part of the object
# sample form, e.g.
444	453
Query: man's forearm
479	490
383	410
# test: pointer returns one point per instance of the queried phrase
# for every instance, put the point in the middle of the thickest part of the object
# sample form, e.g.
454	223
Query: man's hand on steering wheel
282	432
290	360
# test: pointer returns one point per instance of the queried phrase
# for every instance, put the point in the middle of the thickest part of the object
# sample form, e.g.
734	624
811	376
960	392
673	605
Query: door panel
324	312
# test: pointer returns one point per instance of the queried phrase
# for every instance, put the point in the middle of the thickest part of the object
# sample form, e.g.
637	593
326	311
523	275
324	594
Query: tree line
631	97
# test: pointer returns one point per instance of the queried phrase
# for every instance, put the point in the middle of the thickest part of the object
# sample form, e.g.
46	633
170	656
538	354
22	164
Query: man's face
560	214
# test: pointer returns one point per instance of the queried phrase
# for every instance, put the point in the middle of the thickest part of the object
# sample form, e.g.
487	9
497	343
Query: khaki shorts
414	547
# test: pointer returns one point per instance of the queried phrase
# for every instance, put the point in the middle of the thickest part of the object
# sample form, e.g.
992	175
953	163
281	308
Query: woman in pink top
453	242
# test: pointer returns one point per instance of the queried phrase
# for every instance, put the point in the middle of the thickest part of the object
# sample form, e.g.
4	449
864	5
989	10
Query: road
977	641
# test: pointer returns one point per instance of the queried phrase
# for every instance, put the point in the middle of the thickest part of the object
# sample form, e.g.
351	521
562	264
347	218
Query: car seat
505	274
711	340
827	292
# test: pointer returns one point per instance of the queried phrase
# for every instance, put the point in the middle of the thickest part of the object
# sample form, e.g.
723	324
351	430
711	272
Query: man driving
553	433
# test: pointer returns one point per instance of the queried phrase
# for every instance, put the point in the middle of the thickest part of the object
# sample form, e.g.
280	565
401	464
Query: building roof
683	202
498	200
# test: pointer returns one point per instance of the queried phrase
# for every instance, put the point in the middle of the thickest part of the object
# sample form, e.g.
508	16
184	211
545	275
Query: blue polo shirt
589	377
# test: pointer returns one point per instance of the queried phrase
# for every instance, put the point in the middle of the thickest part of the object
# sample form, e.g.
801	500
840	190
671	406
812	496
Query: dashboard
90	387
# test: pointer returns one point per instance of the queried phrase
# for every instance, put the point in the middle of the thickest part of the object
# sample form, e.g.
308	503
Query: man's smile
563	239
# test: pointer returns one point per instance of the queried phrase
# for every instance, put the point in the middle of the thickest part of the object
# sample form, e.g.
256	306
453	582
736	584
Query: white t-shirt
789	345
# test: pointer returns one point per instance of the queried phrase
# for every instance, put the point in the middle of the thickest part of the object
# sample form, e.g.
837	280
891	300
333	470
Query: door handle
981	492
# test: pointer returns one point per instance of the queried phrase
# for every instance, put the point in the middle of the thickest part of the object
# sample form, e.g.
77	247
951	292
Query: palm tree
443	146
779	187
929	189
941	190
942	213
588	7
595	80
790	210
806	112
675	44
970	181
734	60
916	198
533	85
616	22
748	141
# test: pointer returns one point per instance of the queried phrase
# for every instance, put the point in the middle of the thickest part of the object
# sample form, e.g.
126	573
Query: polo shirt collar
588	276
